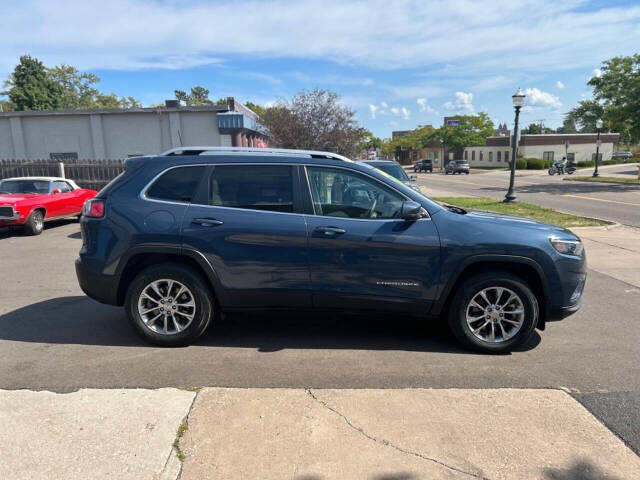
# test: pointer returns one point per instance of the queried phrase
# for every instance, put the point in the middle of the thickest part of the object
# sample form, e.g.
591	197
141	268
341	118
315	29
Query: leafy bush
535	163
586	163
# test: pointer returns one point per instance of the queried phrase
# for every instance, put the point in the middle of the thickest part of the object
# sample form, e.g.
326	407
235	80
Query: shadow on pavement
80	320
18	231
581	470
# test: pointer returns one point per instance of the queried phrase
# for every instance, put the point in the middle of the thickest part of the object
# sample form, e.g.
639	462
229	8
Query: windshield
24	186
396	171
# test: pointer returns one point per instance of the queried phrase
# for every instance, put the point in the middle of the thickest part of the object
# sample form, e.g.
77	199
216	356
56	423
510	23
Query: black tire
466	173
35	223
202	296
470	288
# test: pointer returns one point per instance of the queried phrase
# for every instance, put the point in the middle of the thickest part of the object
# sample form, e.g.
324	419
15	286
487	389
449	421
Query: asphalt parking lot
54	338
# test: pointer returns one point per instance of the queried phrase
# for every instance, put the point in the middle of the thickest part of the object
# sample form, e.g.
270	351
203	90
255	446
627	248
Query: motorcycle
559	169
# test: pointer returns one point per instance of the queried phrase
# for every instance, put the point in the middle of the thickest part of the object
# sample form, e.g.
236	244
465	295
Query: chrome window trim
143	192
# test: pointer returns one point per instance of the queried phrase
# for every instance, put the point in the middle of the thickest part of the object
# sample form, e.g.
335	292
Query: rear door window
253	187
177	185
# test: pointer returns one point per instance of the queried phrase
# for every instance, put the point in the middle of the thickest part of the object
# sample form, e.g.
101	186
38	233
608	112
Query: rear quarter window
176	185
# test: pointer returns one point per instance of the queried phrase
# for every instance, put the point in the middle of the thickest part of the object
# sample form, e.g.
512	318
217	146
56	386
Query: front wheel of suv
493	312
169	305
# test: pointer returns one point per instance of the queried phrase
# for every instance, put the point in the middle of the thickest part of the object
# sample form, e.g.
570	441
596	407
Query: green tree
568	126
69	89
112	101
196	97
586	114
6	106
616	99
30	87
472	131
254	107
78	90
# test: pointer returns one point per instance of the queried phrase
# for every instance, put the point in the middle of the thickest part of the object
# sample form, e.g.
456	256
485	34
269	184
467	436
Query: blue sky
397	64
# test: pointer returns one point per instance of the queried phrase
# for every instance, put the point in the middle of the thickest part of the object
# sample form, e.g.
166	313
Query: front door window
346	194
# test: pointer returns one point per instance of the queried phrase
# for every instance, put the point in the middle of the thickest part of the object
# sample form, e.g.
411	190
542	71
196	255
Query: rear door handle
207	222
330	230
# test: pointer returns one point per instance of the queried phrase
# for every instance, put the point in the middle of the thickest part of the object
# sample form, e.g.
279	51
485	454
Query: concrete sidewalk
306	434
613	251
91	434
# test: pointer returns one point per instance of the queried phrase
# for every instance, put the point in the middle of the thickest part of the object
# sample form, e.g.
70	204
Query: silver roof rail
204	150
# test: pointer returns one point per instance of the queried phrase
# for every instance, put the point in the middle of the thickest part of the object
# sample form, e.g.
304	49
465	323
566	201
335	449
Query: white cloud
142	34
596	73
537	97
383	109
559	84
423	107
462	104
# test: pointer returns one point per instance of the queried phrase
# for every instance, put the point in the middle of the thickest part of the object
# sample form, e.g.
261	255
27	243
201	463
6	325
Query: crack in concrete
175	447
387	443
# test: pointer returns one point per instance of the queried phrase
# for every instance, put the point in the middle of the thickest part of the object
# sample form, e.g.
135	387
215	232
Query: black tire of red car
187	276
35	223
469	288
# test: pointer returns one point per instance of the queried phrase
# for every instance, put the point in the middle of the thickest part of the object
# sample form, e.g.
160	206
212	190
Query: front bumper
574	303
100	287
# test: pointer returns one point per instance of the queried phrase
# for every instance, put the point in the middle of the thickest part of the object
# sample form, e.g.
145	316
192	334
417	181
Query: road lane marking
601	200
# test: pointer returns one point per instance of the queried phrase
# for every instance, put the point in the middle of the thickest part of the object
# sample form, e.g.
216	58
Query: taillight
93	208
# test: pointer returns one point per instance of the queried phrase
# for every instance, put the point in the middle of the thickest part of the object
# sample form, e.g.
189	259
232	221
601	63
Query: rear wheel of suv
493	312
169	305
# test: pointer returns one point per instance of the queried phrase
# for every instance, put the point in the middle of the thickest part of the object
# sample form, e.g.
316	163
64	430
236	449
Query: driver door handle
207	222
330	230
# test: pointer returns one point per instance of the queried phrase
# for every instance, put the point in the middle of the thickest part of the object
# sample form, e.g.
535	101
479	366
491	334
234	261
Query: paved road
54	338
602	200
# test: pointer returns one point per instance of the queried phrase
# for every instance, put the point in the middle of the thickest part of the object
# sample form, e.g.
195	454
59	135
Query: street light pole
598	126
518	101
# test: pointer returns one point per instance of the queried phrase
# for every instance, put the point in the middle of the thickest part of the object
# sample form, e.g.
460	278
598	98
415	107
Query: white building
122	133
576	146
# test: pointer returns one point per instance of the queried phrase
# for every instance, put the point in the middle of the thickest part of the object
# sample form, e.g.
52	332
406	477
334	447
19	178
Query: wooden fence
93	174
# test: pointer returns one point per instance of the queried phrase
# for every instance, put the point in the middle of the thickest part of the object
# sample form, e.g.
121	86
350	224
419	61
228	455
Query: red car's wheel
35	223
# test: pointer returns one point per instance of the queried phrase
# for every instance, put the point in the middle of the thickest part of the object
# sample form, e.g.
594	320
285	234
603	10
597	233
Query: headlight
567	247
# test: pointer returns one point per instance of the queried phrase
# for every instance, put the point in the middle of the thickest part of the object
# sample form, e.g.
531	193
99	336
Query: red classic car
31	201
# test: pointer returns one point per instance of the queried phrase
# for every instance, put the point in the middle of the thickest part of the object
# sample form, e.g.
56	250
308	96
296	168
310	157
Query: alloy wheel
166	306
495	314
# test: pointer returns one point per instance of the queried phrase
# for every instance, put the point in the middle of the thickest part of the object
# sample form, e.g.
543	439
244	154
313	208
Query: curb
613	226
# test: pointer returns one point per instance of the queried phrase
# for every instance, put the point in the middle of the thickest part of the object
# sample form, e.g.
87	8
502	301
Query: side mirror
56	191
411	210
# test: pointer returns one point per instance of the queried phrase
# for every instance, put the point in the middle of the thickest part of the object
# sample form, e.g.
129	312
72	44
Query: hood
11	198
412	184
515	221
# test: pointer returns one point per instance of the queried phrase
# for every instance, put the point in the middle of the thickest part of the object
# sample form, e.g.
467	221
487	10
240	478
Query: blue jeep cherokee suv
178	237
